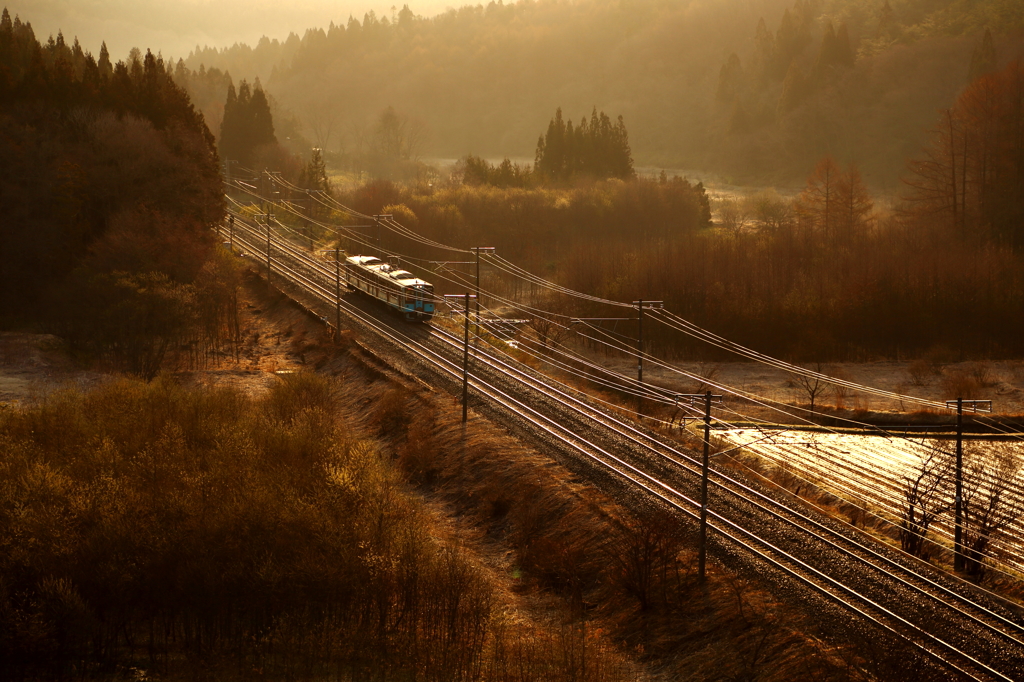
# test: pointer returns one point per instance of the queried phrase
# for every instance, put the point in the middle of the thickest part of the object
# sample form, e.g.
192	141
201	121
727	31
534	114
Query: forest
124	276
827	275
753	94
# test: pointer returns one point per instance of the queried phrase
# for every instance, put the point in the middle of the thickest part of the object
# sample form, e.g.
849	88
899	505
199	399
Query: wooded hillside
110	185
755	93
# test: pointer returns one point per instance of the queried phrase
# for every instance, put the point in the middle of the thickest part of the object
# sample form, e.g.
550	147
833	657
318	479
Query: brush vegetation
170	531
193	532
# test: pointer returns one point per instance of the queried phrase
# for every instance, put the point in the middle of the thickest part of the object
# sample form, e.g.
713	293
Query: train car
400	290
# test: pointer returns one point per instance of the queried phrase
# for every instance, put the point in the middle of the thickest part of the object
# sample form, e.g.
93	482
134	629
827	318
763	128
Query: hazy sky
174	27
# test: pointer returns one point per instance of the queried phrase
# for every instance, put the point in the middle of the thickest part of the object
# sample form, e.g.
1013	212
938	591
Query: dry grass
554	579
627	573
191	532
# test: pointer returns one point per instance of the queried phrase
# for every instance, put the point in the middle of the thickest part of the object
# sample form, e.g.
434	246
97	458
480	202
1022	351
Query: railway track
872	476
904	606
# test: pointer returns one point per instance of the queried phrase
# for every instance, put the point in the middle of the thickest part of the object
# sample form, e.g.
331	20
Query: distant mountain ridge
483	79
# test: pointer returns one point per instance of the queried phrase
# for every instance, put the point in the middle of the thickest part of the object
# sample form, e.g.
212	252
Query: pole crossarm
694	397
974	405
578	320
452	298
649	305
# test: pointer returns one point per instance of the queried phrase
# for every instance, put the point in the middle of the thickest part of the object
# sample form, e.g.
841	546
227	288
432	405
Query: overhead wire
673	320
620	408
684	325
850	492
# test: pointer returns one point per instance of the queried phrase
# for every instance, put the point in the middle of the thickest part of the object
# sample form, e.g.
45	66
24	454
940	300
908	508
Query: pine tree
983	59
730	78
599	149
885	20
247	124
550	158
844	51
314	174
787	45
262	123
764	50
827	55
231	127
622	155
794	89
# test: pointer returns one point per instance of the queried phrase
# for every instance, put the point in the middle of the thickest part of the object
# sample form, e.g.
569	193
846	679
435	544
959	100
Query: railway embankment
578	585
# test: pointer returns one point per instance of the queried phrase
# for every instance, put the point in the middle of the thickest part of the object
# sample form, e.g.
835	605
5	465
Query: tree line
826	276
597	150
247	124
798	77
111	184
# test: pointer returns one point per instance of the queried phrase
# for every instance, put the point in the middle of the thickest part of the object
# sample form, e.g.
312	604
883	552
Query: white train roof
405	277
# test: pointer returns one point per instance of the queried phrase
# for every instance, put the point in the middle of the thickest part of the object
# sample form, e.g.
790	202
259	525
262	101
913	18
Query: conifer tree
983	59
262	122
844	51
730	77
764	50
247	124
794	89
827	53
231	127
314	174
597	149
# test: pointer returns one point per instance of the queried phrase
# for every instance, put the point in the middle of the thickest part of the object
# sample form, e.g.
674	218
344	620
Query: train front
419	301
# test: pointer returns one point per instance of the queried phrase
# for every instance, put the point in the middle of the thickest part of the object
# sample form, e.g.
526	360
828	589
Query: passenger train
399	289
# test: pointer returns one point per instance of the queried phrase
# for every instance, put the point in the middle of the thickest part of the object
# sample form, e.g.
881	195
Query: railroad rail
937	616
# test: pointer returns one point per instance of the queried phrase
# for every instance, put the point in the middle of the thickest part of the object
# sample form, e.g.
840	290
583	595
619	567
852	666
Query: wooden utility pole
465	365
640	350
958	476
267	219
465	352
703	538
376	221
337	294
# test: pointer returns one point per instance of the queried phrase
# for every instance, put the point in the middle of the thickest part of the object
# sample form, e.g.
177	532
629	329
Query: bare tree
990	504
731	214
323	121
813	386
706	373
548	328
642	560
770	211
925	497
